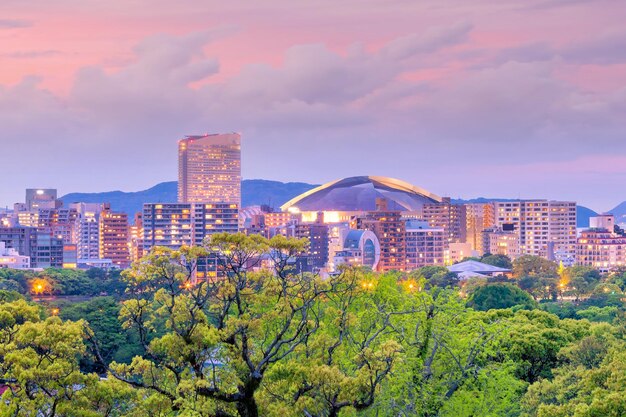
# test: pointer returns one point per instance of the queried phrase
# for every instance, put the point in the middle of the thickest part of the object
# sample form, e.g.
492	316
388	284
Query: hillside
620	213
254	192
258	192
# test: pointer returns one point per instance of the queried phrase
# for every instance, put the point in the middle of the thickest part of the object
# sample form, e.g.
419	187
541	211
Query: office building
209	169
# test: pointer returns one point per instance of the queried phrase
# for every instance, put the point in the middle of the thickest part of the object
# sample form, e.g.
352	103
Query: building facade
176	224
449	217
209	169
545	228
113	238
424	246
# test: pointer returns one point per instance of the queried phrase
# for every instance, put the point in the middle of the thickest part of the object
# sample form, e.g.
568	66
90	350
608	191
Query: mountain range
259	192
253	192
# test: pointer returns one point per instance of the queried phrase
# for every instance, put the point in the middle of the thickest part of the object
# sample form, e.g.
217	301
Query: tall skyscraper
209	169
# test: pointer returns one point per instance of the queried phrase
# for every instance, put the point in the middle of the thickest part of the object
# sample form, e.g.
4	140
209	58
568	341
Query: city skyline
519	100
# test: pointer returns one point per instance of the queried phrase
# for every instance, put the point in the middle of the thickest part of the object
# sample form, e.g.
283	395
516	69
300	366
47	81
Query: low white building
10	258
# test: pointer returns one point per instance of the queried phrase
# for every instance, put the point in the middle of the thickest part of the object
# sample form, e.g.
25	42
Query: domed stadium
360	194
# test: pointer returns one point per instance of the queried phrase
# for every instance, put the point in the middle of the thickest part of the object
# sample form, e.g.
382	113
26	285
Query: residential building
500	242
424	245
316	256
22	239
390	229
41	198
600	247
545	228
209	169
458	251
113	238
10	258
47	252
449	217
479	216
175	224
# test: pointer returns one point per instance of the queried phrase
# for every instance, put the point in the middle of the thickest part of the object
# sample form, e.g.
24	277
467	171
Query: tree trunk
247	408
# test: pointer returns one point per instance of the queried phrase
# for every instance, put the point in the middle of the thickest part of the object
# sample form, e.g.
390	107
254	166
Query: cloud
432	40
31	54
14	23
605	48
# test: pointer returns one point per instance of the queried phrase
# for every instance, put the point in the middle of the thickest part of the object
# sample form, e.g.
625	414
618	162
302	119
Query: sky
506	98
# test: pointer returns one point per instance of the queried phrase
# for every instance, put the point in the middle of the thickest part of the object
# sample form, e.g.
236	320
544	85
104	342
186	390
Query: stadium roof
360	194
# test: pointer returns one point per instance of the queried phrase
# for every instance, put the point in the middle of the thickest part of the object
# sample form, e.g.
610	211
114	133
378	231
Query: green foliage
501	261
102	315
436	276
268	342
534	266
497	296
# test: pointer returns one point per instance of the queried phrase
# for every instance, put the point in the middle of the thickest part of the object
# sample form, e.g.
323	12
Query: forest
154	340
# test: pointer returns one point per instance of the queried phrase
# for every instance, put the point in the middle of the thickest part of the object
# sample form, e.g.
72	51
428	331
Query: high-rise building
545	228
48	251
449	217
209	169
424	245
113	238
39	198
175	224
22	239
316	256
136	238
87	235
479	216
390	228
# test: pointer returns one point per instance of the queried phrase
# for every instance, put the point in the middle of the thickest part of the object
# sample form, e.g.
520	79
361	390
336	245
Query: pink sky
528	83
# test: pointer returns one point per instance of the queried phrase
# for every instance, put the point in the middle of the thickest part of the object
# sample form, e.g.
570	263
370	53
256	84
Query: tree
39	363
580	280
533	339
582	389
501	261
101	313
223	337
497	296
436	276
534	266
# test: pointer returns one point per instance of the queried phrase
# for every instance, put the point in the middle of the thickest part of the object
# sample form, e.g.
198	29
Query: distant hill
582	213
258	192
619	212
254	192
